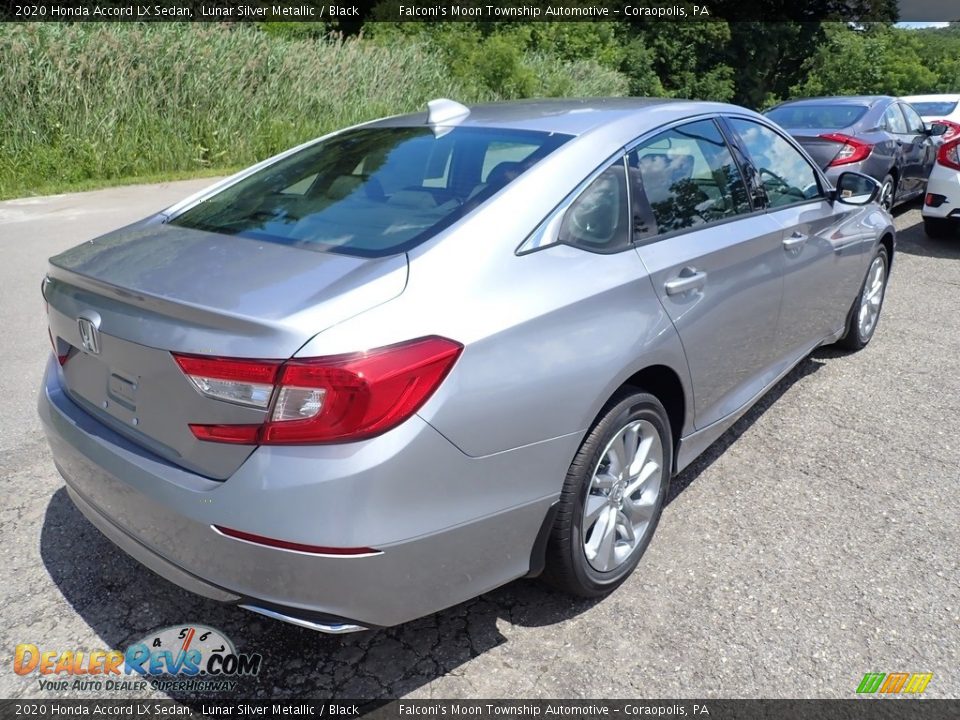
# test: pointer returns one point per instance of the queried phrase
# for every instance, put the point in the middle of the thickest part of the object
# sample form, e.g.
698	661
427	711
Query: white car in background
941	204
943	108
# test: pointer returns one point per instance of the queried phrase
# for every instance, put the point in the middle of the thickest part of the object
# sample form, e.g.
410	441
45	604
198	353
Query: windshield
934	109
372	191
829	117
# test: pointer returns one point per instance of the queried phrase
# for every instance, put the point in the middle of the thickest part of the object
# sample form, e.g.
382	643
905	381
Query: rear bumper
448	527
945	183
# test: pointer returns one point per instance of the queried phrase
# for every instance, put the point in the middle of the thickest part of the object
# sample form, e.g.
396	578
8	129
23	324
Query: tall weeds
98	102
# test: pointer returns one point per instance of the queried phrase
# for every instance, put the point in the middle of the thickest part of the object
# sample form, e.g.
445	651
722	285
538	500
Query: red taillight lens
338	398
947	154
360	395
242	382
235	434
852	150
258	371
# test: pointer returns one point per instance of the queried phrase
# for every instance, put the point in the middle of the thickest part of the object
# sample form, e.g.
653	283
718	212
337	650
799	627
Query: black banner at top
519	709
854	11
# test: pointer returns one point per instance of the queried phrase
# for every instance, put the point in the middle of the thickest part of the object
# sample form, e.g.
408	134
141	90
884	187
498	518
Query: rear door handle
689	279
796	240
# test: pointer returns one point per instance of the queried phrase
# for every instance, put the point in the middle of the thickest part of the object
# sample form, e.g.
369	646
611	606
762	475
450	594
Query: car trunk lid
821	149
152	289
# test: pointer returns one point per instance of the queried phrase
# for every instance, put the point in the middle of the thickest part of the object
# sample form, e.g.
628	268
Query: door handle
795	241
689	279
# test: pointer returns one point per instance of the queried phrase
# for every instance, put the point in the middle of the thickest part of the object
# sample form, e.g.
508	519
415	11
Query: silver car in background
413	360
880	136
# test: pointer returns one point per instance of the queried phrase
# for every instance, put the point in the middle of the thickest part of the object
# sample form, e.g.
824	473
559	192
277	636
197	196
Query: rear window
829	117
934	109
372	191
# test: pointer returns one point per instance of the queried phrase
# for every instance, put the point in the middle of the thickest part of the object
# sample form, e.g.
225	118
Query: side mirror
855	188
938	128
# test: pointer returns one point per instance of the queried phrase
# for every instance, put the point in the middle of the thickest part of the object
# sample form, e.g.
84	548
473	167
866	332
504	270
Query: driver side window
784	174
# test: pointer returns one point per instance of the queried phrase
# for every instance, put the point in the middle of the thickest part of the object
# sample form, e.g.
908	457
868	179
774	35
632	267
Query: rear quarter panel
548	337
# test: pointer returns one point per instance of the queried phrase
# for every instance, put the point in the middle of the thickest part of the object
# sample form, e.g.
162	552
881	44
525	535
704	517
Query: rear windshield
934	109
372	191
829	117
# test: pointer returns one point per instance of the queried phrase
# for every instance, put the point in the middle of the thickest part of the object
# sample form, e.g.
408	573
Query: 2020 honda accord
410	361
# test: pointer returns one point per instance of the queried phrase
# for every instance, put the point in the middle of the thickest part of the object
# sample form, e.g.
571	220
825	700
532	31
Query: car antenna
443	115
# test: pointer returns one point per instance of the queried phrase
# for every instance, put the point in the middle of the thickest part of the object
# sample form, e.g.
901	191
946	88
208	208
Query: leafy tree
875	60
768	58
689	58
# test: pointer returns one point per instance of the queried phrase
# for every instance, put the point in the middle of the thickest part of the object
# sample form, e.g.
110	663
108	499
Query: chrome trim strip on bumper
329	628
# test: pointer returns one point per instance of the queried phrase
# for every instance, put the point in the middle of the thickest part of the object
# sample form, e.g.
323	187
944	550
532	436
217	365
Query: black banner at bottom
854	709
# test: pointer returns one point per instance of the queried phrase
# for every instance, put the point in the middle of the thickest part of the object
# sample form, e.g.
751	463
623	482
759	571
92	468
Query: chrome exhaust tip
331	628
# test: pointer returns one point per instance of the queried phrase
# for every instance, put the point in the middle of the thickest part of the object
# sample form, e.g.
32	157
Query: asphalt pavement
816	541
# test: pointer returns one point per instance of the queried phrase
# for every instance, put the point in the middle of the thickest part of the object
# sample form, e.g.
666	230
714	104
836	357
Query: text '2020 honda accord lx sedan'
413	360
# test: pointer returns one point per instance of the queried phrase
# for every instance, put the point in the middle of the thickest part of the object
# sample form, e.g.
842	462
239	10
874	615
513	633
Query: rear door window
372	191
684	177
893	120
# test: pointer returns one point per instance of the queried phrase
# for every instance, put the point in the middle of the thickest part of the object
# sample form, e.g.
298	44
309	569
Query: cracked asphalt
817	540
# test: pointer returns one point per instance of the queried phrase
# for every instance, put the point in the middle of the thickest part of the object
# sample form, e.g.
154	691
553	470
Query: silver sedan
416	359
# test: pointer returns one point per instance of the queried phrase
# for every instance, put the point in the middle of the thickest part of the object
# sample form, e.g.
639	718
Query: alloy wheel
872	297
886	196
622	497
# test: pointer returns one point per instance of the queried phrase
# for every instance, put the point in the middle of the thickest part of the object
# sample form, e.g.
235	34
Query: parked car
403	364
938	109
941	204
880	136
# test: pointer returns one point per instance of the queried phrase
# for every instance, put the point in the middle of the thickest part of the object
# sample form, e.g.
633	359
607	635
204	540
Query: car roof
574	116
944	97
868	100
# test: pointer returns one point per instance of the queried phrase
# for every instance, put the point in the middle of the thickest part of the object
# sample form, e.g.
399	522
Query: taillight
947	154
243	382
852	150
339	398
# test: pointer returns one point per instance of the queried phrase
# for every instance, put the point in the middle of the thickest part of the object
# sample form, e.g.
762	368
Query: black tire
567	567
854	339
940	228
888	188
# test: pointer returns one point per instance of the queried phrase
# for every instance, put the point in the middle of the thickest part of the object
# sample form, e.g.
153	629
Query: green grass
88	105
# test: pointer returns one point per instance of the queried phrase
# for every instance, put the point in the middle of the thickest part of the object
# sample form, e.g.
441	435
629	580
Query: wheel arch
665	384
888	241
